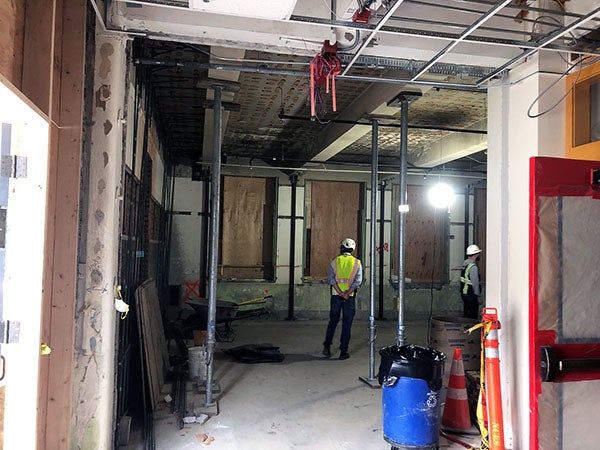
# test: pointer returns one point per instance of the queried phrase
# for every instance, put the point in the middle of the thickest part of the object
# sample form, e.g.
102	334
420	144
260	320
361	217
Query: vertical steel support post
373	246
294	185
370	380
467	218
402	210
381	246
214	236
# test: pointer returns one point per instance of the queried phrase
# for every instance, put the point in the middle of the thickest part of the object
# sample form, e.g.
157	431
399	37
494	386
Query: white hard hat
349	243
473	250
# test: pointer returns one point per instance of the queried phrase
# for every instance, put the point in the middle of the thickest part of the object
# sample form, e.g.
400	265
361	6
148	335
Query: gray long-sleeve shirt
473	276
331	274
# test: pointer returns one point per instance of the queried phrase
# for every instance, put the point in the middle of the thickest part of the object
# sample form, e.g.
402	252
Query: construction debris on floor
302	401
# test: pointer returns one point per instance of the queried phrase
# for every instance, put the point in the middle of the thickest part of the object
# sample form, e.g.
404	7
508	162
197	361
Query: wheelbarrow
226	313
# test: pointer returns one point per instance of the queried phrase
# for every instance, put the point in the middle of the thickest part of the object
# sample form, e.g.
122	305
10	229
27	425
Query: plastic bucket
411	377
197	363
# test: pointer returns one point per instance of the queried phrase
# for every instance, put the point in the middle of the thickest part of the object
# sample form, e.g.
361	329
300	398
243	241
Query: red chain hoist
324	67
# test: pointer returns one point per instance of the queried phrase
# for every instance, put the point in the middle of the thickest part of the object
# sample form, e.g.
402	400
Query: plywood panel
247	227
334	216
12	24
426	243
156	354
243	209
42	28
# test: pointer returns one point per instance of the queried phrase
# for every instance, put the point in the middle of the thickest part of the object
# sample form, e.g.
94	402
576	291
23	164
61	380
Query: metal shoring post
371	381
467	218
402	210
381	246
214	234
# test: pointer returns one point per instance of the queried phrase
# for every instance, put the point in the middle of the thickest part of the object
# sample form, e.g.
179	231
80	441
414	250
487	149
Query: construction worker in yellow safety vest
469	283
344	275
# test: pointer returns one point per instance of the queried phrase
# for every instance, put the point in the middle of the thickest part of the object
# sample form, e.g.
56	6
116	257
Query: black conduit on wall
294	184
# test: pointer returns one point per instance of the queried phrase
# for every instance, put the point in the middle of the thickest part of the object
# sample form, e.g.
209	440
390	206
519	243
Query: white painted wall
186	231
283	213
514	138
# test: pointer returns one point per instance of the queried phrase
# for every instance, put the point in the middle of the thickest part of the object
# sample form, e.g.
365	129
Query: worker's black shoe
326	352
344	355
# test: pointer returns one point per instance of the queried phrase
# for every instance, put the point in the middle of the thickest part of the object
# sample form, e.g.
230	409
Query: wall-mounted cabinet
583	114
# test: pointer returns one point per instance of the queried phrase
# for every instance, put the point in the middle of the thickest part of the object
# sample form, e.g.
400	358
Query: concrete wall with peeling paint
96	318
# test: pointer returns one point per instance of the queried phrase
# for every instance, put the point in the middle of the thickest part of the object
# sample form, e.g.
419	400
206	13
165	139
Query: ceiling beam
372	101
227	97
452	146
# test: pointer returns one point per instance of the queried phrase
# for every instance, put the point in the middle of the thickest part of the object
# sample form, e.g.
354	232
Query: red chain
324	66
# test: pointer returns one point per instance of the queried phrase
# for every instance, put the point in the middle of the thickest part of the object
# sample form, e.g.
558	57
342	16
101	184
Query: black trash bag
411	361
255	353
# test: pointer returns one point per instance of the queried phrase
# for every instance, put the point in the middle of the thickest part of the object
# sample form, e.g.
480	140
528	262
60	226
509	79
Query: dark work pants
470	306
347	308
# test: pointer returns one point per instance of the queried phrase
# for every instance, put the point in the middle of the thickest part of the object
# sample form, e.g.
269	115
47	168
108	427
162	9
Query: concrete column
513	138
95	315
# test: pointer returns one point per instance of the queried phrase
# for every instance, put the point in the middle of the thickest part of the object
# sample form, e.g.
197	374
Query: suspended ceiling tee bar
462	36
544	42
505	16
369	38
529	8
399	31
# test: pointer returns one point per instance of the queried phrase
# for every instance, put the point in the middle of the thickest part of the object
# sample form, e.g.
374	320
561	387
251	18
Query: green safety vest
345	269
465	280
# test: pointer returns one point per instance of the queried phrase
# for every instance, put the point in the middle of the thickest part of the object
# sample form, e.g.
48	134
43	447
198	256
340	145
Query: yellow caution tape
481	414
45	349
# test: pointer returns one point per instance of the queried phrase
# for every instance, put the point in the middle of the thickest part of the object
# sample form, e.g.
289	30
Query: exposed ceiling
448	50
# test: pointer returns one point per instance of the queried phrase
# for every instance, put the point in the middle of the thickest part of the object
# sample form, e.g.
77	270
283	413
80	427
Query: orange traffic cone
456	411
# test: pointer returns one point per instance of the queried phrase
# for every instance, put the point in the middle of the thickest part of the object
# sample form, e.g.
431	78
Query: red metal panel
553	177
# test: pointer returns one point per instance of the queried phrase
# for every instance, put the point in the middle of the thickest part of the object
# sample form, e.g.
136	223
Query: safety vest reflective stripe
345	274
465	278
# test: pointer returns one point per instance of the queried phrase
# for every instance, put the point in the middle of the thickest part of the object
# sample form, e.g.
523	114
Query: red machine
324	67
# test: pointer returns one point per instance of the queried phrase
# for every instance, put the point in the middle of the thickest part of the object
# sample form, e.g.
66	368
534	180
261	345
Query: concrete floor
304	402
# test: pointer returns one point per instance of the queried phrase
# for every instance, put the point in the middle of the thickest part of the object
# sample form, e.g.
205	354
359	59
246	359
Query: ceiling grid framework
448	50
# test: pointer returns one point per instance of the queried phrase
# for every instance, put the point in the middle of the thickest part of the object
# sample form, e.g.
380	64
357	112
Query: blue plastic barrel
411	377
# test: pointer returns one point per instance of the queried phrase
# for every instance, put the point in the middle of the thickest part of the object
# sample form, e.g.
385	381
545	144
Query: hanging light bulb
441	195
